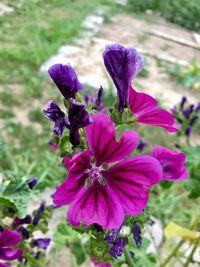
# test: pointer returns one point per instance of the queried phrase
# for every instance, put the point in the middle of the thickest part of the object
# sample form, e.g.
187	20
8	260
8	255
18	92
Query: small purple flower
42	243
112	236
137	234
97	102
141	145
78	118
186	112
24	232
32	182
55	114
183	101
122	64
66	80
117	249
39	213
197	108
193	120
17	221
188	131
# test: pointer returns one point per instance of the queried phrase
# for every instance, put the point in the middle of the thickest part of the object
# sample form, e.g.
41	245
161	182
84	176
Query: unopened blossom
55	114
24	232
42	243
118	248
141	146
137	234
188	131
103	194
197	108
172	162
53	145
193	120
66	80
78	118
145	108
97	101
183	101
17	221
39	213
32	182
9	238
123	64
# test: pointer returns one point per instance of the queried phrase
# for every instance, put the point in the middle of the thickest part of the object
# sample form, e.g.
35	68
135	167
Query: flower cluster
106	183
187	115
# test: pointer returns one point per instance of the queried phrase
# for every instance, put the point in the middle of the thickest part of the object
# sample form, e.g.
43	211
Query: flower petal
68	191
101	136
4	265
122	64
130	180
9	254
98	204
172	163
9	238
140	102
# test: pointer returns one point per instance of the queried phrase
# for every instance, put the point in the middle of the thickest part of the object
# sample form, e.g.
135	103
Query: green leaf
16	195
78	252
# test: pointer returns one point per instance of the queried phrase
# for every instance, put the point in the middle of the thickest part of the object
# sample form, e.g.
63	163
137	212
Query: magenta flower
8	239
172	163
100	264
4	265
146	111
103	194
66	80
123	64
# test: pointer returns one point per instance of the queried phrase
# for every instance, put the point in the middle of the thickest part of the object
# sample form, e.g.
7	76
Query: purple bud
141	146
197	108
123	64
42	243
98	228
17	221
98	99
39	213
117	249
188	131
32	182
78	118
38	255
24	232
191	107
183	101
137	234
55	114
88	99
186	112
66	80
112	236
193	120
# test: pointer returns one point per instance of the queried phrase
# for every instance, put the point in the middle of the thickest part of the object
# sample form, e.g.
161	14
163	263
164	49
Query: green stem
128	258
189	259
172	254
34	261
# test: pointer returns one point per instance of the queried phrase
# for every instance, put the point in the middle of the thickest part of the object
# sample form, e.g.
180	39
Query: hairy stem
128	258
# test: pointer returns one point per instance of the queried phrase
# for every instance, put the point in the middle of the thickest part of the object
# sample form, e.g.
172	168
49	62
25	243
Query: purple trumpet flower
66	80
183	101
42	243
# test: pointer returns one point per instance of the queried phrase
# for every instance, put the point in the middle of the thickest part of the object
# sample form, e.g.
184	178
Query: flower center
94	173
